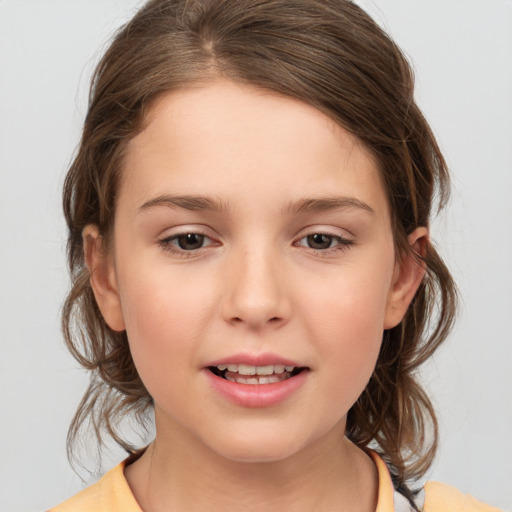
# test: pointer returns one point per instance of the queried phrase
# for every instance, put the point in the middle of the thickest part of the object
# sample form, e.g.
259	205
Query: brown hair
327	53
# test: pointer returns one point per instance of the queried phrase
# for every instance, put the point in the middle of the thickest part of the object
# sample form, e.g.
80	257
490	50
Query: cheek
350	333
346	317
348	350
351	299
165	318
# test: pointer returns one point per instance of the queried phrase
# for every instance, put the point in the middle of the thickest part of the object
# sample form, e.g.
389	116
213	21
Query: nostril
273	320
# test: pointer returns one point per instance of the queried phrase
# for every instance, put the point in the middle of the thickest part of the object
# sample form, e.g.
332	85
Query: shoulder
440	497
434	497
109	494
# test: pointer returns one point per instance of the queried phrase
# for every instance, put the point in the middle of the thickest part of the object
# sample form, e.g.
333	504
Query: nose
256	291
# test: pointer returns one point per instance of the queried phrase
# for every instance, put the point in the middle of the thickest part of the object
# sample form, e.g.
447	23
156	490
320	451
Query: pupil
190	241
319	241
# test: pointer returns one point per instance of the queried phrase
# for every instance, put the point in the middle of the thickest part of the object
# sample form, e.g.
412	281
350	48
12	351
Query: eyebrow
187	202
324	204
321	204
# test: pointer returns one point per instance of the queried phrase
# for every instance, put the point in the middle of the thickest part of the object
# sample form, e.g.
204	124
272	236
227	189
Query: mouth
247	374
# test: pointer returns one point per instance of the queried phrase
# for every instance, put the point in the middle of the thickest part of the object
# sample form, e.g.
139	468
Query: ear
102	277
407	277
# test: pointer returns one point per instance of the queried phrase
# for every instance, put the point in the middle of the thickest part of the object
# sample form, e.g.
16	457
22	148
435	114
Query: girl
248	218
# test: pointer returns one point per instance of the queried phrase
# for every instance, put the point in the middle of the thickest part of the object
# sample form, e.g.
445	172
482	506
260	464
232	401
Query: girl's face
253	268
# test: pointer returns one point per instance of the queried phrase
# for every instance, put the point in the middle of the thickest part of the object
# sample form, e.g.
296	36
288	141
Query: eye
186	242
190	241
324	242
320	241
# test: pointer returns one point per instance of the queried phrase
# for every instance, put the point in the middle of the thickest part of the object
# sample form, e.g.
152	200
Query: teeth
266	370
246	369
267	379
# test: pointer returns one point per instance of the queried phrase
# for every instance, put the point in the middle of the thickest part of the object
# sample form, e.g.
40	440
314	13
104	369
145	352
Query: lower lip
257	395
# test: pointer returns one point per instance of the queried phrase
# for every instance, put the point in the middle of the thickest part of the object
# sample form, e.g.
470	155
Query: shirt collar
388	499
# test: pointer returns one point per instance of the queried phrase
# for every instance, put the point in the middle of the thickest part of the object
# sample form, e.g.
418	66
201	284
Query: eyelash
343	244
168	244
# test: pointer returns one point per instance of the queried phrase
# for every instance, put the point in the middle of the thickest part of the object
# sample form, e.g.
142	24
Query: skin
257	285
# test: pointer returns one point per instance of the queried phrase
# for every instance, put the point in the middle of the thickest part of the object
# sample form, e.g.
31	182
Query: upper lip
255	360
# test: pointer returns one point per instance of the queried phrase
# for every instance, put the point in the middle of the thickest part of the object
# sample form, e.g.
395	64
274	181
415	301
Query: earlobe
409	273
102	277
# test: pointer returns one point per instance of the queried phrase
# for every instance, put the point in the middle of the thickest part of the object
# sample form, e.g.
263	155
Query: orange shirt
112	494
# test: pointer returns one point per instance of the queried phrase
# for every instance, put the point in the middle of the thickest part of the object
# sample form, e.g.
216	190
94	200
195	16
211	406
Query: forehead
235	141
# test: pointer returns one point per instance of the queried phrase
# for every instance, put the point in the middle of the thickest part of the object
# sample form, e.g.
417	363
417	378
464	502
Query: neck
331	474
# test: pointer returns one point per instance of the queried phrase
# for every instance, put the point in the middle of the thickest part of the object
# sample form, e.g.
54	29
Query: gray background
462	53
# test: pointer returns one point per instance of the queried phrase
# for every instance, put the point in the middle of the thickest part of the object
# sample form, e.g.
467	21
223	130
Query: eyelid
319	229
170	235
341	239
344	242
183	229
